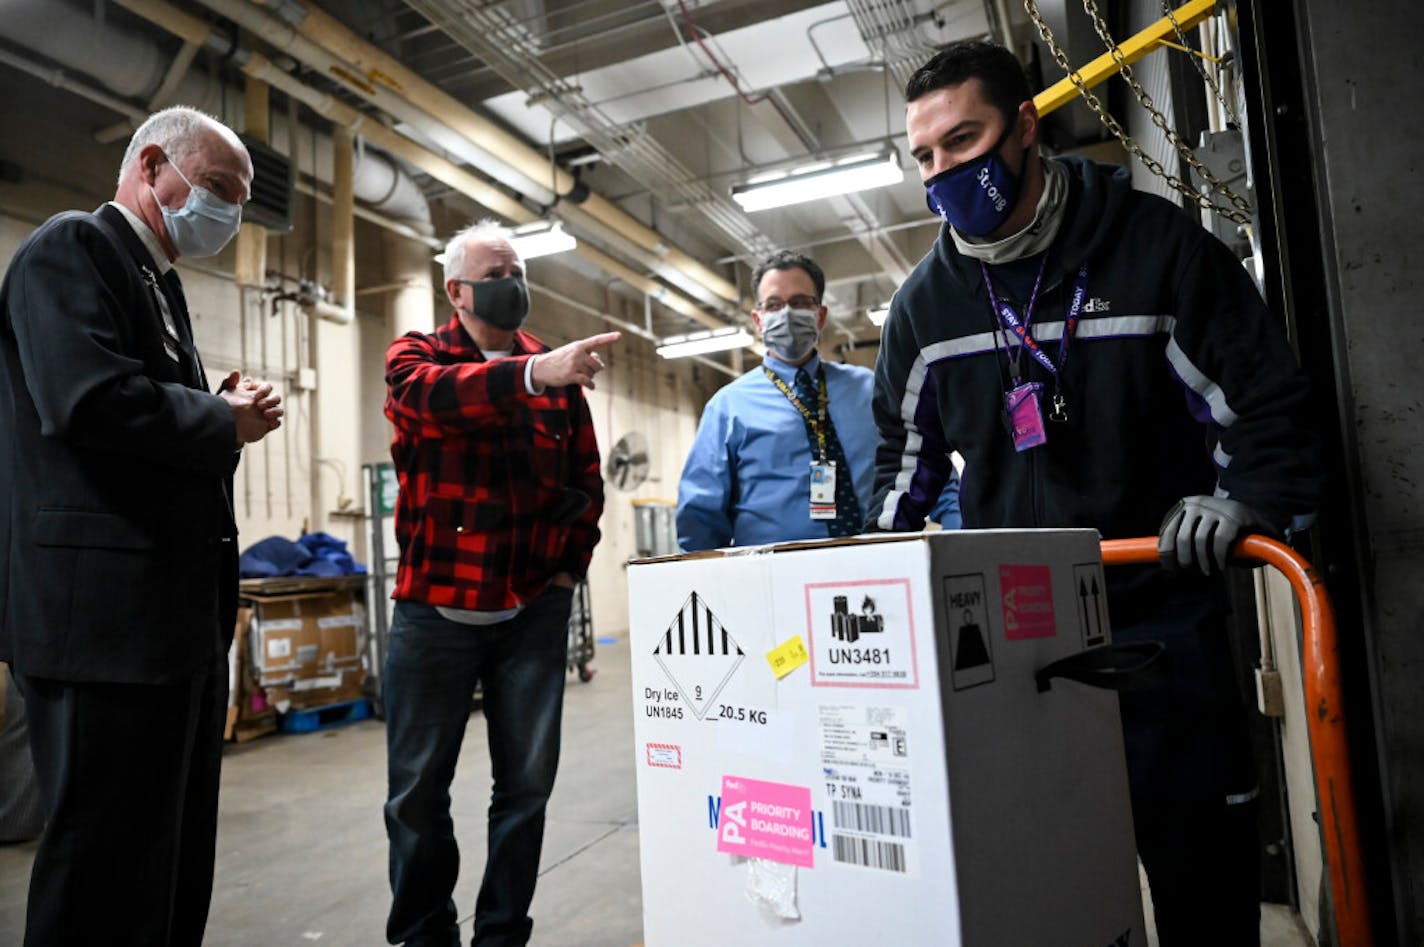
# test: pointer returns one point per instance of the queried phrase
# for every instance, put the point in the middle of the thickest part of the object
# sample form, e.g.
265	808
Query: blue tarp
318	554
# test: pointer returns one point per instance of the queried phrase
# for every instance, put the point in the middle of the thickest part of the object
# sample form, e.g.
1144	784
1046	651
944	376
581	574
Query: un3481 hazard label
861	634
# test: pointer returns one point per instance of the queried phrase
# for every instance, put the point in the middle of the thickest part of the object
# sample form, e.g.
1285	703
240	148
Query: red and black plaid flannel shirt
499	489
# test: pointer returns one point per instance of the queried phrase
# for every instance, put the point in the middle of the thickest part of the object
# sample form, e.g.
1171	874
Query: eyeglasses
795	302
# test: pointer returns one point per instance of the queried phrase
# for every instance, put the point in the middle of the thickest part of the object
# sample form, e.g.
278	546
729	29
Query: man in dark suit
118	576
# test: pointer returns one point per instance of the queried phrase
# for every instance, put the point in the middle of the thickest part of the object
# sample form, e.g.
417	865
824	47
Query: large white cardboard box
904	782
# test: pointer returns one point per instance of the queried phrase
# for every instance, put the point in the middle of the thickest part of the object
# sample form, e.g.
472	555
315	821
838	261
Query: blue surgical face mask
204	224
977	196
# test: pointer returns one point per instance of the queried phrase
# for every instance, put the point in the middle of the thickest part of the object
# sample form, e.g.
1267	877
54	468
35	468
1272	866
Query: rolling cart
581	633
1329	747
383	556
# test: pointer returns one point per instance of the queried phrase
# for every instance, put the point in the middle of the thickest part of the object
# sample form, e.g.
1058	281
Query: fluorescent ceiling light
820	180
700	343
878	314
541	238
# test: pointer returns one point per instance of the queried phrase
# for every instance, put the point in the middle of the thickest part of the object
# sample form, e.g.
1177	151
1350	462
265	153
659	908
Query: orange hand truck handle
1325	717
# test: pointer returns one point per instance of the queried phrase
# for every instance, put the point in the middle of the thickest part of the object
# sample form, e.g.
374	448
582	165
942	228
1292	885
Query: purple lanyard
1020	328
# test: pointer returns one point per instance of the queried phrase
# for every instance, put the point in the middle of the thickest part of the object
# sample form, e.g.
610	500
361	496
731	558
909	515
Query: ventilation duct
273	184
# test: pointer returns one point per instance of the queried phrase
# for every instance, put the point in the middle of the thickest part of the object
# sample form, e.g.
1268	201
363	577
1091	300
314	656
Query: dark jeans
129	774
1191	769
432	665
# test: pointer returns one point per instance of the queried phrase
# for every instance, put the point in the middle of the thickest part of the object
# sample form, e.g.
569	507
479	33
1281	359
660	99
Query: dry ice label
861	634
699	656
865	783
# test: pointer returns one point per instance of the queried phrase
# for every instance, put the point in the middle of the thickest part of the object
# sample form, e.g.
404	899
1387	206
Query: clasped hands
256	406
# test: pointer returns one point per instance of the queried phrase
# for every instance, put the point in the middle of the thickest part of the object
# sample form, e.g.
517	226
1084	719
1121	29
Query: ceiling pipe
335	111
61	80
339	113
378	68
421	126
379	181
385	187
134	66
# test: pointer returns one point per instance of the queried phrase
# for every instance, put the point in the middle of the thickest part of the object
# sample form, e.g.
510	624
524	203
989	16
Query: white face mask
204	224
790	334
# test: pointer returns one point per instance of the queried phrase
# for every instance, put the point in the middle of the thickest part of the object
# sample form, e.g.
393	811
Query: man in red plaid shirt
500	496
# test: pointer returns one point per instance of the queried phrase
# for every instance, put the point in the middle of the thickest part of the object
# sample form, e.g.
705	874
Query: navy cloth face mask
977	196
503	303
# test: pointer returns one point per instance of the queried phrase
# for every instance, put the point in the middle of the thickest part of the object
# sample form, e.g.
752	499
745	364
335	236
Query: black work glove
1201	529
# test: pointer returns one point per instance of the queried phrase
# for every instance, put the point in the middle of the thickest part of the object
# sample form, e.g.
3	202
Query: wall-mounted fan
628	461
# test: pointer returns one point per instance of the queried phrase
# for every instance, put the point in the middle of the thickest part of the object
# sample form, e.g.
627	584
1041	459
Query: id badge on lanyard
1024	416
823	490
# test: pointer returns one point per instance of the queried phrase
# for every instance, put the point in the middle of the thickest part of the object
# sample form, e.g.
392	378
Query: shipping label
865	765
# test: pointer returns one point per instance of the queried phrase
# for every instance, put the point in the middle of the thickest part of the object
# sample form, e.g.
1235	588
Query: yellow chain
1240	216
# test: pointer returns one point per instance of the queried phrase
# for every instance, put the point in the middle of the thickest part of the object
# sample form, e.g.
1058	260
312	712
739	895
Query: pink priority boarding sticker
766	820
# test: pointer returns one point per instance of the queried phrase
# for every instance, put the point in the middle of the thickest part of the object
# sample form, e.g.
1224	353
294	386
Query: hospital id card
823	491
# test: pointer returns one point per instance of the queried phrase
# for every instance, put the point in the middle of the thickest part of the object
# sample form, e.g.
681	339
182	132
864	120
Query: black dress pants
129	775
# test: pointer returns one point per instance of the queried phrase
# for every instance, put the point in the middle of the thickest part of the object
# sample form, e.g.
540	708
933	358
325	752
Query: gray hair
480	231
178	131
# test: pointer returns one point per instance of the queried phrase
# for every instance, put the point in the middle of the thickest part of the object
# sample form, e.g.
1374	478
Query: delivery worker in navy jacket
1100	360
118	560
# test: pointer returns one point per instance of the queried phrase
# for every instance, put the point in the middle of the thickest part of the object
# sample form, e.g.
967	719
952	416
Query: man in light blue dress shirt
762	440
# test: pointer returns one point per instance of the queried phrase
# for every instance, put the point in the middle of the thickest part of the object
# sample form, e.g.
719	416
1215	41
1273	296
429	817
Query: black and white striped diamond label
698	654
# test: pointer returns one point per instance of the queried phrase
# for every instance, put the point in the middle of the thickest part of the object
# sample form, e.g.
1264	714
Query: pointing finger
603	338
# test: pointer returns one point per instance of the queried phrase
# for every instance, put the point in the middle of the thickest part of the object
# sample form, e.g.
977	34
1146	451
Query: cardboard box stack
248	714
301	646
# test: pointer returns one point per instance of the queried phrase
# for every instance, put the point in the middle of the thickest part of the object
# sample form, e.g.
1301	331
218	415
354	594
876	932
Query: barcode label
888	856
876	820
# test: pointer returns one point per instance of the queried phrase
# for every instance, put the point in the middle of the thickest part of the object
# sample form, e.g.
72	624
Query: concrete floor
302	848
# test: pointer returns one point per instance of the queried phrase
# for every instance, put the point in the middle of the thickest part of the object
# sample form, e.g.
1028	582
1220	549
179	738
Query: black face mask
503	303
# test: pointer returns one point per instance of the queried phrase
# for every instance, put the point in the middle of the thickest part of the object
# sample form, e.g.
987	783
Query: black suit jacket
117	539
